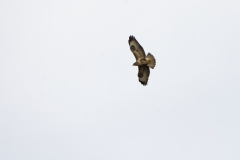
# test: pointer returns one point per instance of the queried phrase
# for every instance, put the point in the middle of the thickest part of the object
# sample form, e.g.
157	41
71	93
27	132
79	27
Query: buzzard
142	61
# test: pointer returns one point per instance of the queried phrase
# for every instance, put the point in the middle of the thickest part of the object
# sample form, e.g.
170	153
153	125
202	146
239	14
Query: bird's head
136	64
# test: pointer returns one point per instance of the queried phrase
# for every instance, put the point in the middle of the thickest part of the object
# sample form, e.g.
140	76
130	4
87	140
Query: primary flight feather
142	61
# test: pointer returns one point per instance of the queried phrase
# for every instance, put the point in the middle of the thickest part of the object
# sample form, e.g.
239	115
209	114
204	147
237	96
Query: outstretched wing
143	74
136	48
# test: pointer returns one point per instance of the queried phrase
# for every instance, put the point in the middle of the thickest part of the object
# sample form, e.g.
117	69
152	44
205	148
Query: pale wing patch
135	52
138	48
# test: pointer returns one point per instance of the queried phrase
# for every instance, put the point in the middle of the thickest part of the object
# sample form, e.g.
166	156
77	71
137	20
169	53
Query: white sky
68	90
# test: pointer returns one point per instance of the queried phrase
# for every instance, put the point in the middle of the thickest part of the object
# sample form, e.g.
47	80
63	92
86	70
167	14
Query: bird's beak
135	64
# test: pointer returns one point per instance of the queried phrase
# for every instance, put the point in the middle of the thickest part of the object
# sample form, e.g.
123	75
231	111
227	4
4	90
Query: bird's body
142	61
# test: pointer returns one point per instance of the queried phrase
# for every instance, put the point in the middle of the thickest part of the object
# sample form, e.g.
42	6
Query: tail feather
151	60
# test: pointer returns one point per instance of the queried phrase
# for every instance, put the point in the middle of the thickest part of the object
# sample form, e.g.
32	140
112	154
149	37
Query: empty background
68	90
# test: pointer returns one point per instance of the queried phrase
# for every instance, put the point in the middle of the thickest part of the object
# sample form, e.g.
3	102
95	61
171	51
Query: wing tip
143	83
131	38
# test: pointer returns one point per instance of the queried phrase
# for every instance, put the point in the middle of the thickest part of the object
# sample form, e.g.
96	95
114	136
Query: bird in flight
142	61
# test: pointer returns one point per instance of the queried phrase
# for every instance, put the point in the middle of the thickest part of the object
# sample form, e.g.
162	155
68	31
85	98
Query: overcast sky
68	90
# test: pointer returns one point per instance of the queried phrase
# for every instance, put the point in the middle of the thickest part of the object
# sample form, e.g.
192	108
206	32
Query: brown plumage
142	61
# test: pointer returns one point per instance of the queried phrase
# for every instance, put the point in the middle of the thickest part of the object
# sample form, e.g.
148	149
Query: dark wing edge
143	74
132	38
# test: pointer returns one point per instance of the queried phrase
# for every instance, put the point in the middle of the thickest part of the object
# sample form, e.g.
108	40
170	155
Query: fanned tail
151	60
